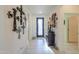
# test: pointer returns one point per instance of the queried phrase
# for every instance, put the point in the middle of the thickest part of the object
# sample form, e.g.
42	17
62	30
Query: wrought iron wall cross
21	13
17	18
19	30
23	27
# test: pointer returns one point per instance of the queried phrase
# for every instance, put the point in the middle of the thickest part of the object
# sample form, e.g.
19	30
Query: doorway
73	29
40	26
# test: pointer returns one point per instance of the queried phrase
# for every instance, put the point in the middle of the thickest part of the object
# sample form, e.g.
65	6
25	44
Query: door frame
37	26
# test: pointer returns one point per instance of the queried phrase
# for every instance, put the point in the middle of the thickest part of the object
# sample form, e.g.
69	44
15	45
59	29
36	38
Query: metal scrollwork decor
18	19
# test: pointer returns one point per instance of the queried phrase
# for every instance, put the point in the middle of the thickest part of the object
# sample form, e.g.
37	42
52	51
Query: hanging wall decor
14	22
19	30
25	19
21	13
13	15
23	27
18	20
54	18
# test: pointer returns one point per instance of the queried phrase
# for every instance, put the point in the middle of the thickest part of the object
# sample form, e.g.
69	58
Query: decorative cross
23	27
25	19
14	22
20	9
19	30
10	15
21	13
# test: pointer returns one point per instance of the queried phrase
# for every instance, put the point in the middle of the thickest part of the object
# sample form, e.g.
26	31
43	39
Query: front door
40	27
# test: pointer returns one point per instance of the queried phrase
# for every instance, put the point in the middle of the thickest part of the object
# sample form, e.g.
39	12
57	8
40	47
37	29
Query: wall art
18	20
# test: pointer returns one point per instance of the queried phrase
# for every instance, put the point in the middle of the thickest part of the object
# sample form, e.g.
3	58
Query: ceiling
41	10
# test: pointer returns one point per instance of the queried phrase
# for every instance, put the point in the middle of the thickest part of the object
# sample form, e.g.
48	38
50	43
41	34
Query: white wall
9	42
59	30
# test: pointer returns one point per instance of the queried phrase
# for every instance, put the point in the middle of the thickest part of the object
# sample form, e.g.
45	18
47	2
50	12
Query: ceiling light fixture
40	12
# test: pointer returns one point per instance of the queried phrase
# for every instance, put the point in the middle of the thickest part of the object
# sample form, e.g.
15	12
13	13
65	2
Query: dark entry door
40	27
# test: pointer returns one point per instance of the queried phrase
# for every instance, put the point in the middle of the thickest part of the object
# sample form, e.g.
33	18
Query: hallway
20	25
38	46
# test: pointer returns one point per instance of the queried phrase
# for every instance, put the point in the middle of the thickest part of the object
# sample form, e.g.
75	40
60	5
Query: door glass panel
40	27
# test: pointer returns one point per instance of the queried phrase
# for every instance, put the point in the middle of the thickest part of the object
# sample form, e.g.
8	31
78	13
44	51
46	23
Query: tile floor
72	48
38	46
69	48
